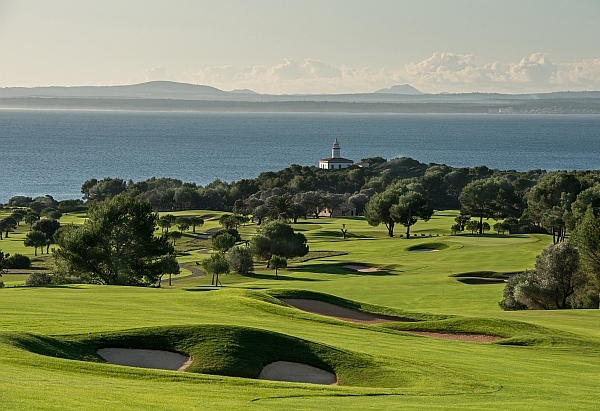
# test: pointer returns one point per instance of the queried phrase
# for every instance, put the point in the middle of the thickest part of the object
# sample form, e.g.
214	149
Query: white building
335	162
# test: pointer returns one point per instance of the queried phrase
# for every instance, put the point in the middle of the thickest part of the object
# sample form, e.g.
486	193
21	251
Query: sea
55	151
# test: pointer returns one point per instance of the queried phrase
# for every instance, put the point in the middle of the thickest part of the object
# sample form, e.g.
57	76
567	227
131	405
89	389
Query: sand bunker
346	314
423	250
362	268
163	360
295	372
480	338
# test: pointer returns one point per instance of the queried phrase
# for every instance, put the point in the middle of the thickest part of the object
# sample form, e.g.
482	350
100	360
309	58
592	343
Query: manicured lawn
547	360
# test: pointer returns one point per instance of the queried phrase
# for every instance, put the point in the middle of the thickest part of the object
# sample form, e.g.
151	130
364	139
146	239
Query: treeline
442	183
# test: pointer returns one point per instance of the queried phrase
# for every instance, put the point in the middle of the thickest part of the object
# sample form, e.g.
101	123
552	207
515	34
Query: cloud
156	73
439	72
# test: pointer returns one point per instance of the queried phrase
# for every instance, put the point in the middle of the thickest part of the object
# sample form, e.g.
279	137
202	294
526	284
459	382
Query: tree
49	227
35	239
223	242
31	218
165	222
277	238
462	220
9	224
52	213
410	207
556	277
175	235
472	226
260	247
3	258
280	207
277	263
587	239
196	221
259	213
117	245
311	200
297	211
240	260
183	223
485	227
487	198
377	210
502	227
229	221
216	264
107	188
549	201
19	215
68	206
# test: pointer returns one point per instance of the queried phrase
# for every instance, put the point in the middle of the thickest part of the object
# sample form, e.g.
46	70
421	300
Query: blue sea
54	152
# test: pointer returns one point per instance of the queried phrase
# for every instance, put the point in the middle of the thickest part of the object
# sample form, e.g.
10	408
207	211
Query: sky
305	46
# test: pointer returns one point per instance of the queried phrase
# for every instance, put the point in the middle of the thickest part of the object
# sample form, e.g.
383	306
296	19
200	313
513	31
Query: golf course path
206	235
195	272
341	313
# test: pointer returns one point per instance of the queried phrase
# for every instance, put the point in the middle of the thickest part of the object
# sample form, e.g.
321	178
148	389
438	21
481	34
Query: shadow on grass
338	234
280	277
490	235
338	269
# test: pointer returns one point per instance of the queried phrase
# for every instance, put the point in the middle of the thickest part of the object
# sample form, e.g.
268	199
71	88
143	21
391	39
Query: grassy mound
215	349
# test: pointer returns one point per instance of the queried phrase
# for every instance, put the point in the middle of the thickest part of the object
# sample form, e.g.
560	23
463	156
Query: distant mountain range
400	89
168	95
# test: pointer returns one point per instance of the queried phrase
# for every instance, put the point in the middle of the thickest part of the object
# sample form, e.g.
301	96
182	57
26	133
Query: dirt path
341	313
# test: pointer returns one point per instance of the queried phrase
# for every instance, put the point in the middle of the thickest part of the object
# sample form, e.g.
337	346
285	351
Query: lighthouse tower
335	150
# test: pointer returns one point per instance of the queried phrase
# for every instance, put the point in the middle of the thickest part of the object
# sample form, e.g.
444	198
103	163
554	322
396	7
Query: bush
17	261
509	302
240	260
38	279
1	284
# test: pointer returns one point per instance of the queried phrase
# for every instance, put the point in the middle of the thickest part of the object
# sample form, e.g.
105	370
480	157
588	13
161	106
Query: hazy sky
305	46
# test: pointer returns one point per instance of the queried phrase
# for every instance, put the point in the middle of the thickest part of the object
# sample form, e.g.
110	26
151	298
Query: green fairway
544	359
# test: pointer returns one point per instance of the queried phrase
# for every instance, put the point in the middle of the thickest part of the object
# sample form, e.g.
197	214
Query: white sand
295	372
424	250
362	268
164	360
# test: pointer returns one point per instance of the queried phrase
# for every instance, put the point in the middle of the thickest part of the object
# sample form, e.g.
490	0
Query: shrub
1	284
17	261
38	279
509	302
240	260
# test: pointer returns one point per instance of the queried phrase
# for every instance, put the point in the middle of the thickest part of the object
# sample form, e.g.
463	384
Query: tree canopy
117	245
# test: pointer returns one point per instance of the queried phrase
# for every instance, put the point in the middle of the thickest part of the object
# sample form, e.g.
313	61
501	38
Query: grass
546	359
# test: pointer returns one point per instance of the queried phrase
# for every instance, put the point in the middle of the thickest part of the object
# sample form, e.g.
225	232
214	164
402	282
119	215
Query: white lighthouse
336	161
